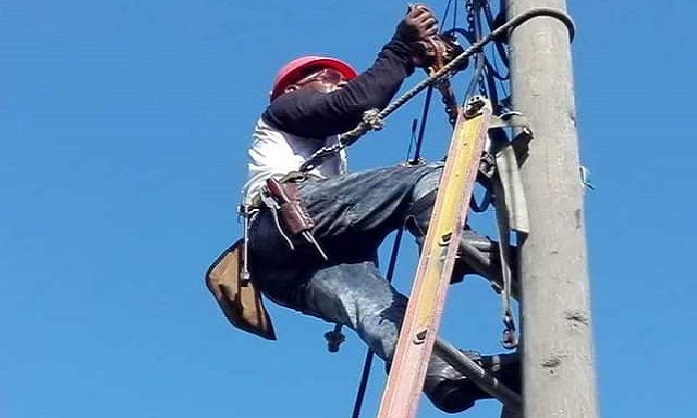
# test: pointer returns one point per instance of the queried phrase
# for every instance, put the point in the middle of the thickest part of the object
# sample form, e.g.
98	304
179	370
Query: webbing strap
509	339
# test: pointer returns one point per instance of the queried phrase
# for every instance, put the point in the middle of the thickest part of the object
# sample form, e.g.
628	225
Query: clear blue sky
124	125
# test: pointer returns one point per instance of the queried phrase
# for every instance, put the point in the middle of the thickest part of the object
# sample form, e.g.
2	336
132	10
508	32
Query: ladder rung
478	375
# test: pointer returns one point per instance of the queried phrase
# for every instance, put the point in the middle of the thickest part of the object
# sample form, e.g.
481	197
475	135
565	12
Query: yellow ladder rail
418	333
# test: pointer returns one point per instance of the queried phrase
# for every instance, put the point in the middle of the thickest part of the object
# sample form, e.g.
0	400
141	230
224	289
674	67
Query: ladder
418	334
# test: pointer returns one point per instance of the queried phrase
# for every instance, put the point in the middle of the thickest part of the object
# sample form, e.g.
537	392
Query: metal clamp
474	105
558	14
585	177
509	340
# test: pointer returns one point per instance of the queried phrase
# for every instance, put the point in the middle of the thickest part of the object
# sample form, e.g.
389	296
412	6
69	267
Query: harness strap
509	340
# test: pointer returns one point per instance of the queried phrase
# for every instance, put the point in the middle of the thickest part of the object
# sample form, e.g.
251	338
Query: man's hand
417	25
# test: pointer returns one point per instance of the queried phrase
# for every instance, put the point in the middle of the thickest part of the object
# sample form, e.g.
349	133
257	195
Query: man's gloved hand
419	24
434	53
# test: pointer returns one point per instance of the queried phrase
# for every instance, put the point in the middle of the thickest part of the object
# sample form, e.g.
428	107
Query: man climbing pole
313	237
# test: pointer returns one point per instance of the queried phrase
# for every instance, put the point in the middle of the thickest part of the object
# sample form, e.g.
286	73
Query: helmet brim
296	69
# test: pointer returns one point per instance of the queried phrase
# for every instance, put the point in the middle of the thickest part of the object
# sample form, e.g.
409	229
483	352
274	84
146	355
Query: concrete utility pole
559	379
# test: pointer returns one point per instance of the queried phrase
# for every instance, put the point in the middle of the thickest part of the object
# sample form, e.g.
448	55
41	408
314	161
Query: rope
475	30
460	59
352	136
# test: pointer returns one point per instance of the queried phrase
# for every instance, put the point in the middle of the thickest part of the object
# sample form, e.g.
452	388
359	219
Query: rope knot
372	119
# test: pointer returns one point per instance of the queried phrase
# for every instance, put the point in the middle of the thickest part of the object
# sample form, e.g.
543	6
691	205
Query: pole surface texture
558	368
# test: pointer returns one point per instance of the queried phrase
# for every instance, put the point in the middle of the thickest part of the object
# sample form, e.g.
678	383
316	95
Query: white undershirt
275	153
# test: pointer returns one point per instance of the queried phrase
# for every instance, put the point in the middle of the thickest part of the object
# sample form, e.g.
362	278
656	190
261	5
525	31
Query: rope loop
560	15
372	119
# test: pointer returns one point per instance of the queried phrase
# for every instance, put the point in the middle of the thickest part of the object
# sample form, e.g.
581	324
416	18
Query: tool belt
228	278
293	214
292	219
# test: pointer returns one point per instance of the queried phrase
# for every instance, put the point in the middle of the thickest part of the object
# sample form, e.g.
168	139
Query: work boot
451	392
477	254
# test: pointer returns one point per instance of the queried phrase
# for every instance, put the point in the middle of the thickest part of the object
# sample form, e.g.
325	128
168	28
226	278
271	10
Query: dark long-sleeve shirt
311	114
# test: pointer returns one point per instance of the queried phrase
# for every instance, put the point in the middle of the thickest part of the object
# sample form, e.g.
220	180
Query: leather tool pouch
294	215
239	300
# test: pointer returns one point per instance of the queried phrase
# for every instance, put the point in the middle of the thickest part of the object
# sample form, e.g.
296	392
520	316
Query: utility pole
558	368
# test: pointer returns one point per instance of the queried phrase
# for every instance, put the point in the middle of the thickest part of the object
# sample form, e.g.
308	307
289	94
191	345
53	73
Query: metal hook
509	339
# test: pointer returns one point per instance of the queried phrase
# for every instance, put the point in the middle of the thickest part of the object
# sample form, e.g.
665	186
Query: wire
475	30
363	385
491	22
445	15
365	375
412	138
422	128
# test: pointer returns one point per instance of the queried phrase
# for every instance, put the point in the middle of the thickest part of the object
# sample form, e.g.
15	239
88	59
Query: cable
422	128
445	15
360	396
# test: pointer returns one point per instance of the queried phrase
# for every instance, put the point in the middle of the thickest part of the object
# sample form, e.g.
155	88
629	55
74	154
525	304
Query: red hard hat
295	69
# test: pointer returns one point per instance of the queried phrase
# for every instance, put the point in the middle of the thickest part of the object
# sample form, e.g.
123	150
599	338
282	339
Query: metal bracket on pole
513	192
520	142
509	155
511	120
